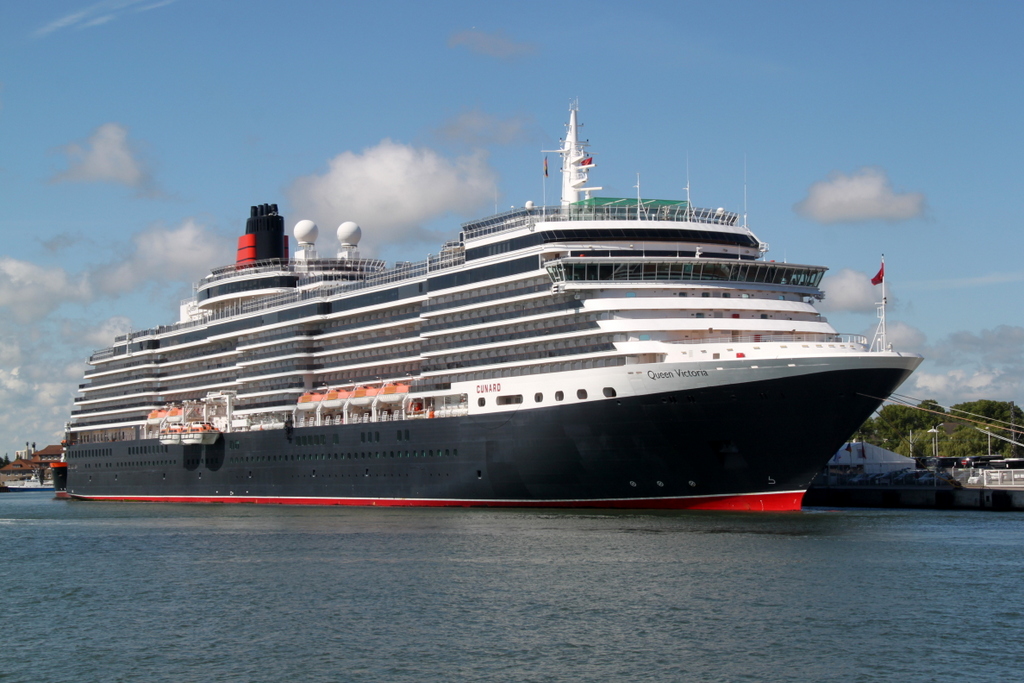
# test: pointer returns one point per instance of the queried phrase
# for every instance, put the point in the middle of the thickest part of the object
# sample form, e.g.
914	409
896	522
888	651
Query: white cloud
494	44
392	189
31	292
865	195
37	384
968	366
98	14
159	255
106	157
99	335
904	337
849	290
477	128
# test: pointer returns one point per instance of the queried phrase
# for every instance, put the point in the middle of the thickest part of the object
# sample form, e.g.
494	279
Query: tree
994	416
906	429
903	429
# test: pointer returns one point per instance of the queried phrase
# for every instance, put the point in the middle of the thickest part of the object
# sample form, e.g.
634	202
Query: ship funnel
264	236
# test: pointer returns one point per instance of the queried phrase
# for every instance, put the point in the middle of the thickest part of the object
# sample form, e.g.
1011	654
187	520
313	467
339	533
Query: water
148	592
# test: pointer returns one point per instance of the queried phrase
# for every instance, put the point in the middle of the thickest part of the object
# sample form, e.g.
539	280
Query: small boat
393	392
335	398
363	396
174	415
199	433
156	417
310	400
171	435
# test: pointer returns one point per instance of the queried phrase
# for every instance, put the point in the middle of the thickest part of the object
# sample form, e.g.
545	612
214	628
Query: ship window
559	395
398	435
446	452
455	452
510	400
362	437
609	392
538	397
705	294
376	436
406	434
581	393
481	401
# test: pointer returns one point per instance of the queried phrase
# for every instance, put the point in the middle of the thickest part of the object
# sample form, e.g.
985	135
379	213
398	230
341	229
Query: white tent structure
858	456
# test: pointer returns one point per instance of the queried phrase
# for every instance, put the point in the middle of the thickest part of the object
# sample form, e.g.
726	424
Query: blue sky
135	134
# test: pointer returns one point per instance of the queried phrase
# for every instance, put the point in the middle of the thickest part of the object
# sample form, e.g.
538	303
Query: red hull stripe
786	501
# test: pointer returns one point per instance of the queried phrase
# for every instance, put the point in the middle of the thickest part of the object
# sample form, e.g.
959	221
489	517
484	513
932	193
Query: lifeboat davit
309	400
393	392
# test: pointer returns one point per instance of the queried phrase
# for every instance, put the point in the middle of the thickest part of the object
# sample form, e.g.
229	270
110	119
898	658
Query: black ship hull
748	446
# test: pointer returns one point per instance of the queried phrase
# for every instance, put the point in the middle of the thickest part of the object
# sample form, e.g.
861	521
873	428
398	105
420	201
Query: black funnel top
269	230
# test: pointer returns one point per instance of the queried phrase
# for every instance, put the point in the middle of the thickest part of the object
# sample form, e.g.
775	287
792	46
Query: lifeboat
393	392
171	435
363	396
156	417
199	433
174	415
310	400
335	398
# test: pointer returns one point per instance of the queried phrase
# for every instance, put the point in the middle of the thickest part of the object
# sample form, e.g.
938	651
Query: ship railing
787	338
650	210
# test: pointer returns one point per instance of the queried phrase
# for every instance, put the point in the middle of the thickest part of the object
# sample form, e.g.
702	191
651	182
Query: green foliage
905	429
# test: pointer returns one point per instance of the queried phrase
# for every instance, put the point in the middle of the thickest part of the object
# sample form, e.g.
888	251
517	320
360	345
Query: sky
136	134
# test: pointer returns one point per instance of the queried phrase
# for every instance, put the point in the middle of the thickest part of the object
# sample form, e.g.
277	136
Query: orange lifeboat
363	396
199	433
174	415
310	400
335	398
393	392
156	417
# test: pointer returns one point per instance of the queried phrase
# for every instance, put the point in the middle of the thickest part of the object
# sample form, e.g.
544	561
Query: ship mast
576	164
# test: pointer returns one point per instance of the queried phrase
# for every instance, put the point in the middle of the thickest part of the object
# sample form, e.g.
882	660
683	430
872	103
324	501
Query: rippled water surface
149	592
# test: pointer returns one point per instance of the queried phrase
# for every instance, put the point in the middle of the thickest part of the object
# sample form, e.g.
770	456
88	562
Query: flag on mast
545	167
877	280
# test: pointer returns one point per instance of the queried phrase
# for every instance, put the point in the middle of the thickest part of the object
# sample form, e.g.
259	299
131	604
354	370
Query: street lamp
934	431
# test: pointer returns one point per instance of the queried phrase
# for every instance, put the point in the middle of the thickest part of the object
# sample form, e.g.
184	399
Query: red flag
545	167
587	161
877	280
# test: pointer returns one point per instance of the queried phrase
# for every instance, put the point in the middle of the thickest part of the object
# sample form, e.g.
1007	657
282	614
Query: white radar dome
529	205
306	232
349	233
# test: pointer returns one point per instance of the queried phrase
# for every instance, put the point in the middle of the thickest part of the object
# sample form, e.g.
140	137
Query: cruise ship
602	352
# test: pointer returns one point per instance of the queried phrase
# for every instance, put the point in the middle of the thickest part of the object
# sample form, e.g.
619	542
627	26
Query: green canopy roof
614	201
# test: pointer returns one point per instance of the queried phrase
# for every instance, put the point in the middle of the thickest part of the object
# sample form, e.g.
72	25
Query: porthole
581	394
538	397
559	395
609	392
481	401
